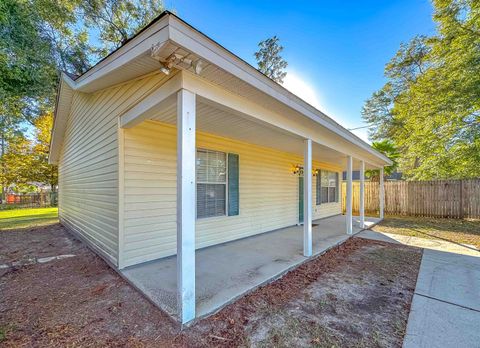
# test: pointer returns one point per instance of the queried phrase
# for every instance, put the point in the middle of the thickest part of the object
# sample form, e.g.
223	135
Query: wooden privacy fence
440	198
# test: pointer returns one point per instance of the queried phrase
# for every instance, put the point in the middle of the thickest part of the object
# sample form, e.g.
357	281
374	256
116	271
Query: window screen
327	187
211	183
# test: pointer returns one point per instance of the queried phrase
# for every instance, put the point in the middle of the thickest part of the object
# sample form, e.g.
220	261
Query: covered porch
226	271
215	162
221	256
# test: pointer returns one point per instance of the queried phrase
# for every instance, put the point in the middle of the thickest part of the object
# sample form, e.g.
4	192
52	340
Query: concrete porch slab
226	271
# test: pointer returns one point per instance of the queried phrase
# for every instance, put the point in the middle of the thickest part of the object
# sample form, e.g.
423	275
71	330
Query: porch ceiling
222	121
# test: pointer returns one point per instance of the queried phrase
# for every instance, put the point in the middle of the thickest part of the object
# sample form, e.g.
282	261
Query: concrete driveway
445	310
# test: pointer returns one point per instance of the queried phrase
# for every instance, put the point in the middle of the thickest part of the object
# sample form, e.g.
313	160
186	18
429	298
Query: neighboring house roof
132	60
356	176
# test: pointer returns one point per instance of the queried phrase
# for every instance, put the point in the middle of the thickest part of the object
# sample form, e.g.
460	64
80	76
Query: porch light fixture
197	66
175	60
164	69
298	170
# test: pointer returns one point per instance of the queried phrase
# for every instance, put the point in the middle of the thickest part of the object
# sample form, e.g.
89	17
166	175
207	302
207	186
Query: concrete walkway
446	305
434	244
226	271
445	309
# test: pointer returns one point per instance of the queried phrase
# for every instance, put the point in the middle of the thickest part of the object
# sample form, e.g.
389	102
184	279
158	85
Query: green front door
300	199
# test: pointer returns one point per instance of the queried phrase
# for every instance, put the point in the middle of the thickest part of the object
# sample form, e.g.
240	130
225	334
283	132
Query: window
327	187
211	183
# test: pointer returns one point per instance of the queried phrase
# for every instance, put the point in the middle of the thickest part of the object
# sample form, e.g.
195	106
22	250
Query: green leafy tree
37	39
30	56
40	37
27	70
430	106
25	161
269	60
118	20
389	149
16	160
40	170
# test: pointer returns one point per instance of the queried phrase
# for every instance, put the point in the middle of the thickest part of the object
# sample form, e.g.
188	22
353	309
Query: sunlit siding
268	192
88	165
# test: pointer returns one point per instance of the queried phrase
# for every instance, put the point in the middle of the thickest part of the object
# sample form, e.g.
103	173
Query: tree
269	60
40	170
16	160
430	105
25	161
389	149
27	70
118	20
30	56
39	38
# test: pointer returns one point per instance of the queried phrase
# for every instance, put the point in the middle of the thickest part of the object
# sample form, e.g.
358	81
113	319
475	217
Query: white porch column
362	194
307	198
382	193
186	194
349	195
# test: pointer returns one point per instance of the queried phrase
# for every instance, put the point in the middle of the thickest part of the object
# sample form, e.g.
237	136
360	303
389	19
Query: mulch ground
357	294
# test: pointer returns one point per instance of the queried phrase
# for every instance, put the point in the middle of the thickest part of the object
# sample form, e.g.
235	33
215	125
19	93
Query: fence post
461	200
382	194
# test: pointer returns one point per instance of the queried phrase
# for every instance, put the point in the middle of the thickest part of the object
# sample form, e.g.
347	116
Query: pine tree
269	60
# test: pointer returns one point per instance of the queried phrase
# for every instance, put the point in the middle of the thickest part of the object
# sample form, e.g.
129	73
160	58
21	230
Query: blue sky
336	50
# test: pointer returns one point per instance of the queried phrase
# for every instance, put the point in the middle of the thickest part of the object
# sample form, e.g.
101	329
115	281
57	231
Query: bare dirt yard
355	295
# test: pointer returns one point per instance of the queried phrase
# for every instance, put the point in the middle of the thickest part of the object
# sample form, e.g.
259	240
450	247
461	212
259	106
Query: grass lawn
452	230
27	218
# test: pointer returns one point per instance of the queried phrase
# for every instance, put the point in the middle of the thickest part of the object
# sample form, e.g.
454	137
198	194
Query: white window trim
212	183
318	202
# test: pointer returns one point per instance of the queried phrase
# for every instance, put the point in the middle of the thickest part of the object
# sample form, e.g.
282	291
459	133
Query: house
172	144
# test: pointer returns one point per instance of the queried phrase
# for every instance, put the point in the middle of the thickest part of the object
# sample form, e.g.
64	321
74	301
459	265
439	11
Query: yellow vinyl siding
268	192
88	163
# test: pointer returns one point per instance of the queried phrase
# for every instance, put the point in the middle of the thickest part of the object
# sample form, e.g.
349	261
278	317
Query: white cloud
298	86
362	134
